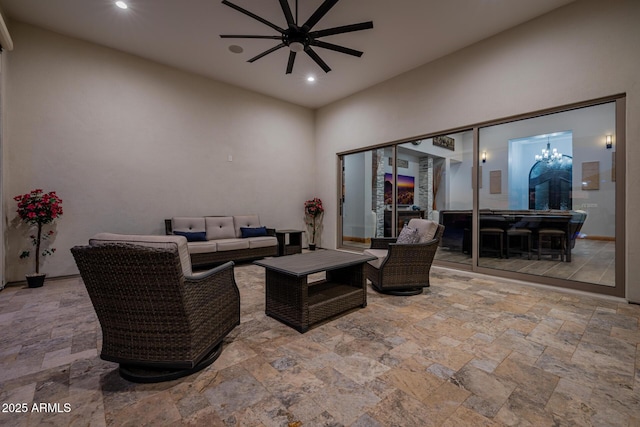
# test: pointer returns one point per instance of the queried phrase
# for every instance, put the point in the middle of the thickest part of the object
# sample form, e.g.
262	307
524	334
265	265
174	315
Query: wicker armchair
403	269
157	323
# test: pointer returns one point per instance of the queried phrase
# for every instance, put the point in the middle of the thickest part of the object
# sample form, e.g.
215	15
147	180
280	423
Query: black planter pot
312	246
36	280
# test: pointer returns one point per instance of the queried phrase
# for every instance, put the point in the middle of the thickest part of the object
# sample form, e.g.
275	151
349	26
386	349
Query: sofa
218	239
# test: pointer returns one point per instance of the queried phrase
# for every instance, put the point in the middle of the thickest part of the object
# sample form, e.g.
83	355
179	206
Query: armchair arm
212	272
402	254
416	245
382	242
214	294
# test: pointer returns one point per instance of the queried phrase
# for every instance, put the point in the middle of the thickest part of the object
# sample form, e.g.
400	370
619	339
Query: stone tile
489	392
472	350
158	409
413	380
466	417
535	382
235	395
400	409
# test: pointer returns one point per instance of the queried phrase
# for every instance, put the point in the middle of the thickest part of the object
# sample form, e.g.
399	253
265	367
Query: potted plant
313	212
37	208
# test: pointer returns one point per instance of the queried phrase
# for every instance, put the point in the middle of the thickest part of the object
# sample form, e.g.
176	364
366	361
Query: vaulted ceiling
186	34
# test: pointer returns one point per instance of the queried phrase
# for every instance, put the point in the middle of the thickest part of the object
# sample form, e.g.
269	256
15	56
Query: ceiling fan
300	38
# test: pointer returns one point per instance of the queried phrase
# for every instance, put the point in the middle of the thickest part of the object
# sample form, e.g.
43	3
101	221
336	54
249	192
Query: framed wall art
444	142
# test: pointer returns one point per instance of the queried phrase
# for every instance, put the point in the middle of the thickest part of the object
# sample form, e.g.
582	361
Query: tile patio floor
470	351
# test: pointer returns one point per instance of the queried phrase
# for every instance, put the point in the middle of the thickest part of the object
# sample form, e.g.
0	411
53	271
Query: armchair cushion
162	242
426	229
380	255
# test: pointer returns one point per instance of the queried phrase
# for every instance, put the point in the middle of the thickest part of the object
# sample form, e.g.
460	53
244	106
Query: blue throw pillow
200	236
253	231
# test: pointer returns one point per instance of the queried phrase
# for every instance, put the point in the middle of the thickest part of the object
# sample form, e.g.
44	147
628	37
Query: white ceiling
185	34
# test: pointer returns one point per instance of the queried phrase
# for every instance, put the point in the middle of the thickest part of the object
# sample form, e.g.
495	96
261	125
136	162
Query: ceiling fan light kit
301	38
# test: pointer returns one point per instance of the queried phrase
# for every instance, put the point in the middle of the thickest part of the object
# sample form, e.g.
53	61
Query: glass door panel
436	174
363	196
546	196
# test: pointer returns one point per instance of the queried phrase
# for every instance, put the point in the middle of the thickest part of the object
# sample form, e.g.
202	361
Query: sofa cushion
240	221
380	255
253	232
219	227
179	242
426	229
202	247
231	244
262	242
199	236
188	224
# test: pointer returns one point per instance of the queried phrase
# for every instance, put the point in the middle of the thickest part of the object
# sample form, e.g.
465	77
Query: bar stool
551	235
493	232
524	236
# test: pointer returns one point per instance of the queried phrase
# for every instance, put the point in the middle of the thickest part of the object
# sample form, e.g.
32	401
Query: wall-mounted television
406	186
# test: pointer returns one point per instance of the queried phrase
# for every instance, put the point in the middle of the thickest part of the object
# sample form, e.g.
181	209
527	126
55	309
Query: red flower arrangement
312	210
39	208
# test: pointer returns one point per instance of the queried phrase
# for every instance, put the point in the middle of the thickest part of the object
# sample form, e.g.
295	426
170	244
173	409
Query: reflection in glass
550	224
441	169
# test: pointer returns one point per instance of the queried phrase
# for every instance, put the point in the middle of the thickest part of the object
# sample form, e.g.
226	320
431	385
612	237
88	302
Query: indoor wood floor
593	261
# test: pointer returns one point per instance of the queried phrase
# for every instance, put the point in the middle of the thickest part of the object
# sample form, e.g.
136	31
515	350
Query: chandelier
549	155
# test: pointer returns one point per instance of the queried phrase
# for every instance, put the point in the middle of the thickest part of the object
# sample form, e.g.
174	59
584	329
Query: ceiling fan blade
318	60
241	36
343	29
292	58
319	13
252	15
287	11
266	52
336	47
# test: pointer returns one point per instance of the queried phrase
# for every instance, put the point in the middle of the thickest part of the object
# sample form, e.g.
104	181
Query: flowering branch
313	210
39	208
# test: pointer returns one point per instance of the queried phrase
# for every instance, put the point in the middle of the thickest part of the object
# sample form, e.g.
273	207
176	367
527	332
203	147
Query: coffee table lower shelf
323	301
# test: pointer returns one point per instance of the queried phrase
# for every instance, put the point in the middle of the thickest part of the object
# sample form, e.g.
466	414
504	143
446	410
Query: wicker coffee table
299	304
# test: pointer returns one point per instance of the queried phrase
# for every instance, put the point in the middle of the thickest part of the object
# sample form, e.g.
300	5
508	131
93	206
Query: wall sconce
484	157
609	141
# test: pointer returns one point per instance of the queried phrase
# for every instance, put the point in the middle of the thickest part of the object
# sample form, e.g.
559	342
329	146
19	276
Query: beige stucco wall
586	50
127	142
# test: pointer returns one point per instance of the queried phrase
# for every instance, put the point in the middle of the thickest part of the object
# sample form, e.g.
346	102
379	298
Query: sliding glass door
534	198
547	195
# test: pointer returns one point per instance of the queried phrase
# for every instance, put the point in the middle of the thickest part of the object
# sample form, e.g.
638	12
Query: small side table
293	246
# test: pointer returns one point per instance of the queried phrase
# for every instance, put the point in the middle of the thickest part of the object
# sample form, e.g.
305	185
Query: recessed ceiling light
236	49
311	79
122	5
